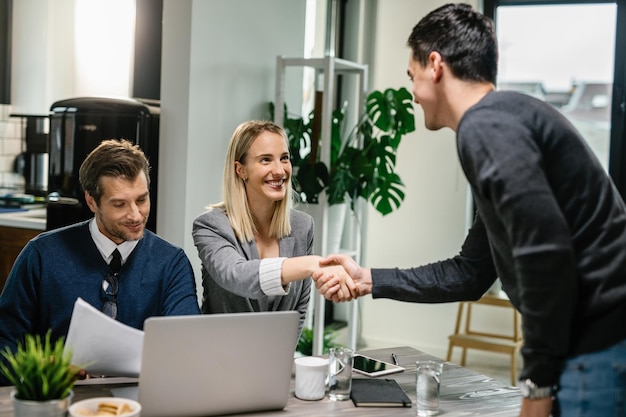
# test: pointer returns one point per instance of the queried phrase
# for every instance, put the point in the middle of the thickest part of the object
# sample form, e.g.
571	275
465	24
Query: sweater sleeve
270	276
464	277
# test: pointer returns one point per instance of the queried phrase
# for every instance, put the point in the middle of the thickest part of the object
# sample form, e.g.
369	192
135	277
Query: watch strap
531	391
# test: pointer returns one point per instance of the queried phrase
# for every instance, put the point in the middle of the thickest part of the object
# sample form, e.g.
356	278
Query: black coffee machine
77	126
32	163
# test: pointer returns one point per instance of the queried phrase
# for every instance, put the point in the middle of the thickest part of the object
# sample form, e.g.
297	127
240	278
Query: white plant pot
52	408
336	222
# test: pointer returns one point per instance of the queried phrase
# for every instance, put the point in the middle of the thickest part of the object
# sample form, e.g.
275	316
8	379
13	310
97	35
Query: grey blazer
230	269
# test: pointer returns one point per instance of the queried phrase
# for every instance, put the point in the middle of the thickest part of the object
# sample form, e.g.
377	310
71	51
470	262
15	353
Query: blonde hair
235	200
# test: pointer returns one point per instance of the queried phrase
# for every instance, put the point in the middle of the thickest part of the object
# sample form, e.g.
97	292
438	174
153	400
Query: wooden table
463	393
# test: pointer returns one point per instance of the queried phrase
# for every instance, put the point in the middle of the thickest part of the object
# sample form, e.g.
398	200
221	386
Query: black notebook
377	392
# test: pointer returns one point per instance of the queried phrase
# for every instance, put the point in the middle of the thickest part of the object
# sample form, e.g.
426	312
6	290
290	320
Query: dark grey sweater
550	224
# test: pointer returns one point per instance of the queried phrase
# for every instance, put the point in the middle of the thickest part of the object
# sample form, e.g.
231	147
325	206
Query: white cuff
269	276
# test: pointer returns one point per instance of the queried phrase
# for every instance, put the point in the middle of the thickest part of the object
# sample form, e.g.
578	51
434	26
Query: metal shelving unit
330	67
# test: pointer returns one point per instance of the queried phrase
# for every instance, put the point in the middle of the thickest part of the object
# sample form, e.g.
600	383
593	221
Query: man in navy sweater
56	267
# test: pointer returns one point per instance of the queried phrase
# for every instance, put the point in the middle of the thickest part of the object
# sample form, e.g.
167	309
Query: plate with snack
105	406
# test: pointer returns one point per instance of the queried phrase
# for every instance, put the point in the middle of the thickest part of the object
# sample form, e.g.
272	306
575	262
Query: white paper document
101	345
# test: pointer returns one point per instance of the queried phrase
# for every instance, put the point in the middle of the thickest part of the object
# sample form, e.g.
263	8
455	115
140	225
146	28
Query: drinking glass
428	382
340	373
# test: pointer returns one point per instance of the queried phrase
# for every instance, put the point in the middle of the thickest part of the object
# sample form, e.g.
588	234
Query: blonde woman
256	251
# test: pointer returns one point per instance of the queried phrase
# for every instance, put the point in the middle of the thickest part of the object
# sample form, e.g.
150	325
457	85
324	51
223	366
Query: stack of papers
101	345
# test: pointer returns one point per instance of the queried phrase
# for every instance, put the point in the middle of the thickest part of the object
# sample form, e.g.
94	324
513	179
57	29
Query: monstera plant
362	161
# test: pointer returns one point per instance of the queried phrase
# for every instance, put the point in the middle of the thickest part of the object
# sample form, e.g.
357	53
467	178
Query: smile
135	227
276	183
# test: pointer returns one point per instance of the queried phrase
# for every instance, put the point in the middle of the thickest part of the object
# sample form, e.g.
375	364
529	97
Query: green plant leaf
336	142
305	342
311	180
391	111
389	194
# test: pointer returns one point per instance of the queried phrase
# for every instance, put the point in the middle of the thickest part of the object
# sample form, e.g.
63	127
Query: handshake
340	278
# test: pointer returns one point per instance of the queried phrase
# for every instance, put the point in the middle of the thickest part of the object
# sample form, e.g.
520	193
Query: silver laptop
217	364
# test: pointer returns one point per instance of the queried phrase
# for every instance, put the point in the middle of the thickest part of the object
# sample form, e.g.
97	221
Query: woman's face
267	169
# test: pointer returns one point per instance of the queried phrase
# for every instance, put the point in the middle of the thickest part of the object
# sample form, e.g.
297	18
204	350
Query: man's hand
332	287
343	285
536	408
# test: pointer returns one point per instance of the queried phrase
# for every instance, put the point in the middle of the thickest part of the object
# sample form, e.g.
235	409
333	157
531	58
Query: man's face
424	94
124	207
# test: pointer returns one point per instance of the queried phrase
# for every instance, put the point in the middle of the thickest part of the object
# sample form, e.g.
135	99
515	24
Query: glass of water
340	361
428	382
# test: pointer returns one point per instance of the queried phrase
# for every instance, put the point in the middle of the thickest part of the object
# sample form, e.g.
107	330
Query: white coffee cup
311	377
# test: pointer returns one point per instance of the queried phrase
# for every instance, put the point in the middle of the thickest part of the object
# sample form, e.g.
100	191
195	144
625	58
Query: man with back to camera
56	267
549	223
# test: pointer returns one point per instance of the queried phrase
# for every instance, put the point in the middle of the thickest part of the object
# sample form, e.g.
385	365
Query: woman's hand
358	281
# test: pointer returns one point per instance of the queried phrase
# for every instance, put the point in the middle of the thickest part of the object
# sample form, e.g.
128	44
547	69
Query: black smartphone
373	367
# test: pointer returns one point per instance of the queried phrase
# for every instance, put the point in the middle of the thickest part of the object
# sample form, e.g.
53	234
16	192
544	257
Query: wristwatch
531	391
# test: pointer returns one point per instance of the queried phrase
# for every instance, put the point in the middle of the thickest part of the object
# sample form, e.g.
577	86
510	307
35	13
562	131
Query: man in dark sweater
155	278
549	223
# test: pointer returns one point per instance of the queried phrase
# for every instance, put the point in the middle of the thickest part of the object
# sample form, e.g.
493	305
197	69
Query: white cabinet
329	67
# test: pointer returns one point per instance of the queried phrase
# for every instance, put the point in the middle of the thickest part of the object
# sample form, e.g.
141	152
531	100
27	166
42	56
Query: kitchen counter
34	219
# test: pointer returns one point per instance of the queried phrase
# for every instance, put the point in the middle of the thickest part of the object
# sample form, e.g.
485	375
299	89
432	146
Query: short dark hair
112	158
464	38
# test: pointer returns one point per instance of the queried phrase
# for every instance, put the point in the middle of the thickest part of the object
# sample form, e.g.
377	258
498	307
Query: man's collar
106	246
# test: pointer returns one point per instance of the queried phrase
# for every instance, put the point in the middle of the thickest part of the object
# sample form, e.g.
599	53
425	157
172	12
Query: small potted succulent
42	375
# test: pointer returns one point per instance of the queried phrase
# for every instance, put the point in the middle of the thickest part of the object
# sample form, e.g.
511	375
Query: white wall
430	225
219	63
31	57
69	48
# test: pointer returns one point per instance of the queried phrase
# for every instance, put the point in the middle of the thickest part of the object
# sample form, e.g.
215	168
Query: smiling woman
256	251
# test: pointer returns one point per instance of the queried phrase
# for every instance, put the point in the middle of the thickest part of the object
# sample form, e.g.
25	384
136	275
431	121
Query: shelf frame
329	66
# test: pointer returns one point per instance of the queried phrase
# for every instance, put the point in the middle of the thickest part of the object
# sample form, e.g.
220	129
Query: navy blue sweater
57	267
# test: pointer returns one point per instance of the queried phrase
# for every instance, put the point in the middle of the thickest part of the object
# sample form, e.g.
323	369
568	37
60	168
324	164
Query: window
571	55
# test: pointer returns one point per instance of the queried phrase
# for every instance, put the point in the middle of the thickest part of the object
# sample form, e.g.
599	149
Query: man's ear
91	202
437	63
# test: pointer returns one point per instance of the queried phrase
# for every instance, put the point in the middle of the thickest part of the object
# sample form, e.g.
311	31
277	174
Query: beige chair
466	338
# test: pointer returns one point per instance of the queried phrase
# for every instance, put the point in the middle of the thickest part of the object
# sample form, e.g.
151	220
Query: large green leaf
392	112
310	181
388	195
